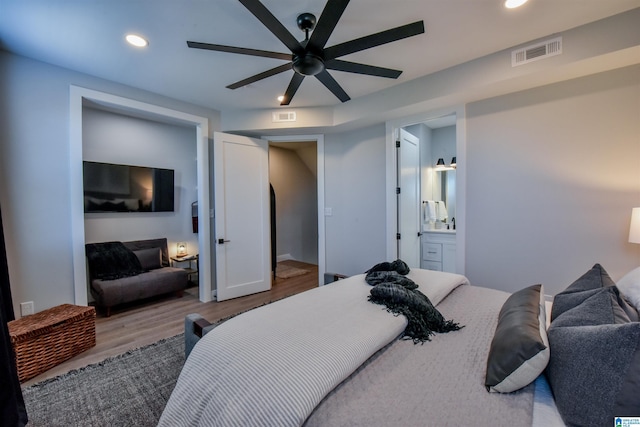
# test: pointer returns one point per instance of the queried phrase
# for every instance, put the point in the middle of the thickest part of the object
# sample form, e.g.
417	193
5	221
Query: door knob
222	241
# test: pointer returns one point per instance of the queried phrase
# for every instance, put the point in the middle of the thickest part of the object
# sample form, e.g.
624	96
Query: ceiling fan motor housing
308	64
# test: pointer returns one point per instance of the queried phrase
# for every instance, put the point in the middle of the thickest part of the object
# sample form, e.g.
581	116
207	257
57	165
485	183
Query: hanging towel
442	211
429	211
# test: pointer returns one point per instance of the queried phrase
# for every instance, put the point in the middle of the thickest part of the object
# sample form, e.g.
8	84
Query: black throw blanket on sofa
112	260
401	296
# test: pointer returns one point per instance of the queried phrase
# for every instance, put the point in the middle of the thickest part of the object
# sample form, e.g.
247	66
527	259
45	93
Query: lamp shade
182	249
634	229
440	162
454	163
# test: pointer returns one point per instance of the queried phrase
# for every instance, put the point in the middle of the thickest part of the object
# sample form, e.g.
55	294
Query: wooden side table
191	271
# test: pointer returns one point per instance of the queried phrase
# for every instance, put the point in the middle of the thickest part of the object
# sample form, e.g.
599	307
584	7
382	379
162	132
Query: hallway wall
296	201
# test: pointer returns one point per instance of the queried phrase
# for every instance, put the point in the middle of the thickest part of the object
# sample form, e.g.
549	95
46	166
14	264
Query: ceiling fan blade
294	84
354	67
327	22
240	50
332	85
373	40
273	25
263	75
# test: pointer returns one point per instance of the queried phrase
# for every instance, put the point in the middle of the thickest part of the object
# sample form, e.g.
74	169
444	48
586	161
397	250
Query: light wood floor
145	323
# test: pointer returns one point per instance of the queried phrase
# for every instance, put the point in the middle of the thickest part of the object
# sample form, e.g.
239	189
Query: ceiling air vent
537	51
283	116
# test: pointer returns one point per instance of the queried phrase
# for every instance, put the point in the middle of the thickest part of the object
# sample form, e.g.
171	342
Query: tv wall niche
112	187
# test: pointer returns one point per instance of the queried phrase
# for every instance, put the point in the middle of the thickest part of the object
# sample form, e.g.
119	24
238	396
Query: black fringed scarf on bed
400	295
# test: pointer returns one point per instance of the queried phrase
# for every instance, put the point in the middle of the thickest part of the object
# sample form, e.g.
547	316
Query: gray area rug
131	389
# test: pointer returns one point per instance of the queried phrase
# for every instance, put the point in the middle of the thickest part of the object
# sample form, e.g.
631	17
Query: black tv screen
122	188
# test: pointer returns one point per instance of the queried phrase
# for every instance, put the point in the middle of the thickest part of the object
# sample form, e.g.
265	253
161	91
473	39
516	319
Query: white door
409	199
242	223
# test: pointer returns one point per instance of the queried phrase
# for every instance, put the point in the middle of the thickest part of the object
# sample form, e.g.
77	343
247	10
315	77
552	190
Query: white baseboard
284	257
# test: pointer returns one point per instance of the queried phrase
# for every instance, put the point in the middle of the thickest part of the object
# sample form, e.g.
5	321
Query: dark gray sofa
153	277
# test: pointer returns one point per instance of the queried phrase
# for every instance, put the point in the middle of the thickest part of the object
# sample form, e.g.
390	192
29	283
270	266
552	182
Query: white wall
552	176
296	204
34	173
355	192
115	138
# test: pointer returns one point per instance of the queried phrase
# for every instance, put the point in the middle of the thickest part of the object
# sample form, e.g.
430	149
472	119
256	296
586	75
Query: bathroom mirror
444	188
442	149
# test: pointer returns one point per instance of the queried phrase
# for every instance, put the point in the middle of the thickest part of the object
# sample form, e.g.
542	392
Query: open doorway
293	175
441	184
81	96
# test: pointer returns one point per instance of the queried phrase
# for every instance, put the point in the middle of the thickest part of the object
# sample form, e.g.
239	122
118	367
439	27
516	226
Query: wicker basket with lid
48	338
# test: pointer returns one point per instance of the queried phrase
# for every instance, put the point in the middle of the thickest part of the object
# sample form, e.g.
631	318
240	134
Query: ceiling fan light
280	98
512	4
136	40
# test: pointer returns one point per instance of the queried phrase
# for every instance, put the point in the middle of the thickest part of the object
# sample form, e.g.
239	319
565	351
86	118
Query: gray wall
552	176
114	138
355	192
34	172
296	204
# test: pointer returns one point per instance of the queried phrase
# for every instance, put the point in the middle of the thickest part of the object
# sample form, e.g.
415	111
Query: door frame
319	140
392	130
77	96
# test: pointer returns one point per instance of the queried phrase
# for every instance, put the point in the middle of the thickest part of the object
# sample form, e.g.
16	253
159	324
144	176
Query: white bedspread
273	365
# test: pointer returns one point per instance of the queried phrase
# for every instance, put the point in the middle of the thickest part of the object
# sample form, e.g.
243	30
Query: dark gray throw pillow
586	286
150	259
594	369
519	351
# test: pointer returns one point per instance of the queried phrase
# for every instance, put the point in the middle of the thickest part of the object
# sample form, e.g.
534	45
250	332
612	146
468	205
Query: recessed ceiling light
136	40
280	98
512	4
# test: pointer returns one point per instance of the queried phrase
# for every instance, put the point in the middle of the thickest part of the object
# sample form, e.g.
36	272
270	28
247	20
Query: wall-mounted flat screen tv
122	188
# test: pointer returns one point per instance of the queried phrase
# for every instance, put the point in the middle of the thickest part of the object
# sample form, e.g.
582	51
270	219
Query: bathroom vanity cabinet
439	250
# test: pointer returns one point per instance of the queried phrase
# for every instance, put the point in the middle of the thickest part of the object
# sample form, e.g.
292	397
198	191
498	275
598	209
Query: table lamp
634	228
182	249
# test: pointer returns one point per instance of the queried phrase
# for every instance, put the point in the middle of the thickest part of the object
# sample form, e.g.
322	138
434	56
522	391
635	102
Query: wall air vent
283	116
537	51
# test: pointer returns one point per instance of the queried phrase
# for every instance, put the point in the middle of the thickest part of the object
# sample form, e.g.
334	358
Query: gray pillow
150	259
594	369
587	285
519	351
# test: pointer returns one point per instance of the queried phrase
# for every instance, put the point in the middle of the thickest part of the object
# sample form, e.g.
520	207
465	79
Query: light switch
328	211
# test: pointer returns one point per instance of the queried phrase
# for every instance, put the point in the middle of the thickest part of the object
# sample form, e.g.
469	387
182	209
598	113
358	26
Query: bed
330	357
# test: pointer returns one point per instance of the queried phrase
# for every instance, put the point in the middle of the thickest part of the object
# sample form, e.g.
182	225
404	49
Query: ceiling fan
310	57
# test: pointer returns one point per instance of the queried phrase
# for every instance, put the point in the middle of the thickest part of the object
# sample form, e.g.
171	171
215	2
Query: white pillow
629	285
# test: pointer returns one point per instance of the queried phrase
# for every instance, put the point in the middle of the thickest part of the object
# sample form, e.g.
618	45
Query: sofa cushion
155	282
150	259
519	351
136	245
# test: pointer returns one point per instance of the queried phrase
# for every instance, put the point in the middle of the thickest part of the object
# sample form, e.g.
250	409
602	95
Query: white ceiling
88	36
